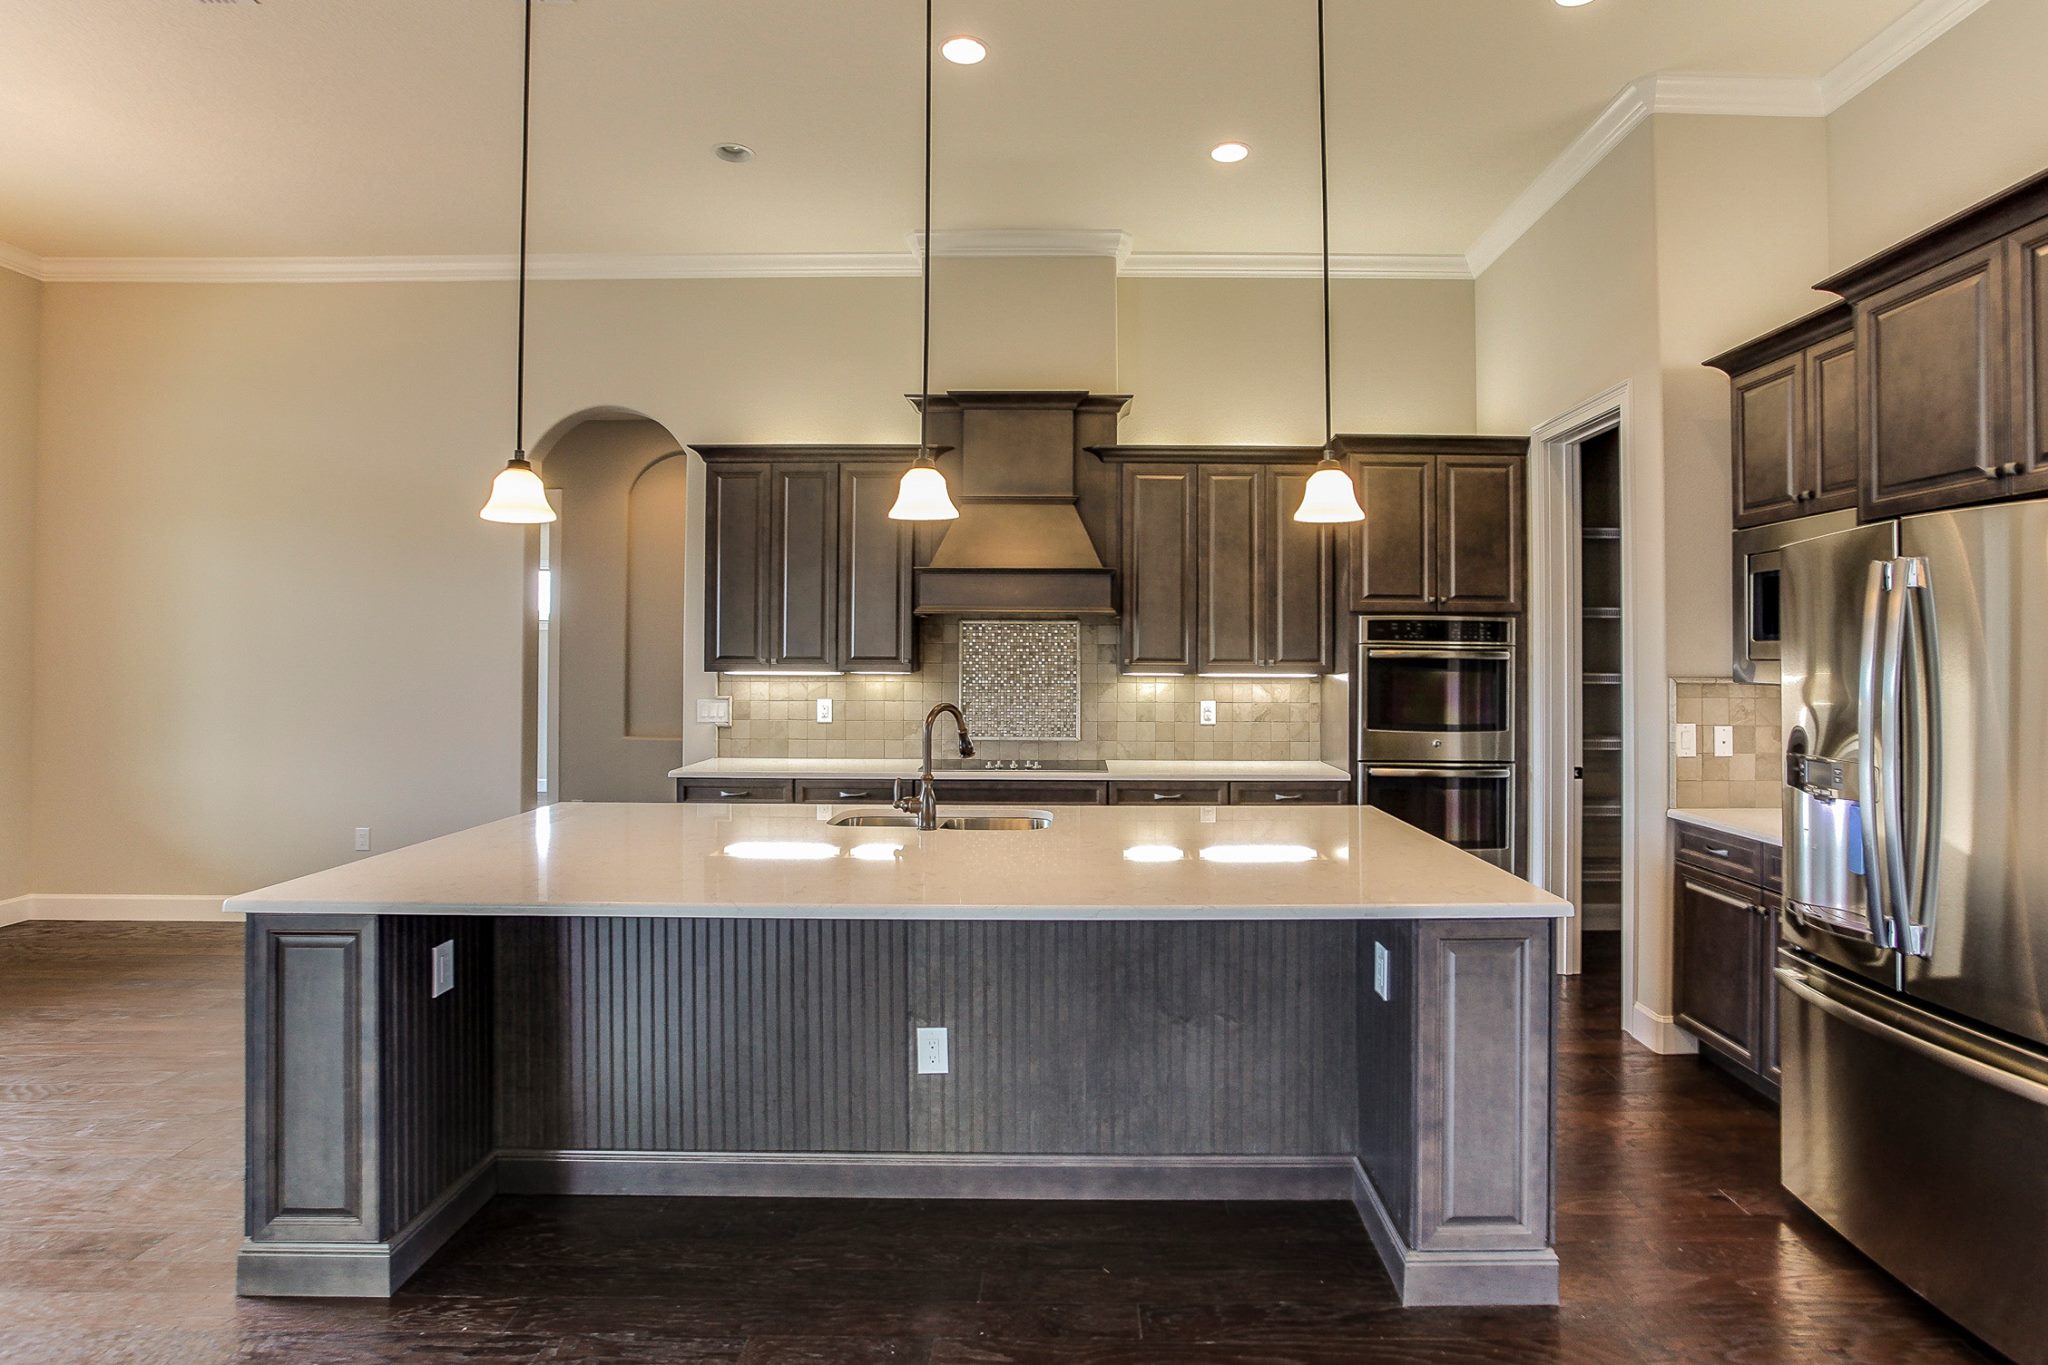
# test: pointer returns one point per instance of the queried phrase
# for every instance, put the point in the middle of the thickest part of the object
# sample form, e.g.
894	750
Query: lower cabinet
1724	941
829	790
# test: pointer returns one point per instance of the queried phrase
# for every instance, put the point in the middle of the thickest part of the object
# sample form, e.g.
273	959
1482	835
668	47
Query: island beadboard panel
877	716
640	1035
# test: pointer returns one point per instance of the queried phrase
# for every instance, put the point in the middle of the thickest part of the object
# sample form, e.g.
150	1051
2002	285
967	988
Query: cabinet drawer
745	789
1169	793
829	790
953	791
1719	853
1289	793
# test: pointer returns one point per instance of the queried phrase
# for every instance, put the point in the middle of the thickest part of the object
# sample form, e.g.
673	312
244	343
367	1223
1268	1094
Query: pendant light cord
1323	144
525	118
924	406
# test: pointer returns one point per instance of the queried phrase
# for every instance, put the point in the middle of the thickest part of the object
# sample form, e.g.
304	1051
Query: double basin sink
897	819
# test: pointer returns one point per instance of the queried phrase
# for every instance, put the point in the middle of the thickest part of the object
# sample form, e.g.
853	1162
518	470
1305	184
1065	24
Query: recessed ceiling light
738	153
962	50
1227	152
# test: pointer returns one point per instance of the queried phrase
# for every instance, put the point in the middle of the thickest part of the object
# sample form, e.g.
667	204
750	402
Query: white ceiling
198	128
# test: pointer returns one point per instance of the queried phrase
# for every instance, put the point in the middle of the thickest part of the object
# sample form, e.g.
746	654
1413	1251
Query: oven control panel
1436	630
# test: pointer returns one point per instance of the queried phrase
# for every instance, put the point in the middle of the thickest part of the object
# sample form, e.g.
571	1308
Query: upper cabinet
1949	332
1793	428
804	571
1217	576
1444	527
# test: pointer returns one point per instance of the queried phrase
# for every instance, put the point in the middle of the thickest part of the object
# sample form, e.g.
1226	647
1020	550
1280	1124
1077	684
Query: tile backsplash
1749	778
1135	718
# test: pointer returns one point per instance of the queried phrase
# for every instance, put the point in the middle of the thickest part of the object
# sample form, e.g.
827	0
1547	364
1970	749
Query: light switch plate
1381	972
1724	741
824	710
931	1052
362	838
1208	713
714	710
1688	740
444	967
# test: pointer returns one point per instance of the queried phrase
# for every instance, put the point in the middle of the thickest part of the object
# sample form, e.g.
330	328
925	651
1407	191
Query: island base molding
1404	1065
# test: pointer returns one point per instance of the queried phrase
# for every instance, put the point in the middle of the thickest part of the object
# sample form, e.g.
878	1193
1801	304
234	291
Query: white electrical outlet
1688	740
824	710
1724	741
444	967
1208	713
931	1052
362	838
714	710
1208	815
1381	971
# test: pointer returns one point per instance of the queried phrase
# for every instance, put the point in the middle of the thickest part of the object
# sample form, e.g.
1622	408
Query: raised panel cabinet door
1228	550
735	566
1933	387
1769	432
877	633
1393	558
1295	570
1159	587
804	567
1714	974
1479	535
2030	337
1830	461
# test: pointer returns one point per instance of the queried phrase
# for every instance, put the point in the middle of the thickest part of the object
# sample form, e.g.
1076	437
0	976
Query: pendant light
1330	497
517	494
922	495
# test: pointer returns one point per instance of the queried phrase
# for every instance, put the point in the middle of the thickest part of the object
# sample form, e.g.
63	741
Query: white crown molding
410	269
1901	39
1588	149
1302	265
21	262
1110	242
1689	92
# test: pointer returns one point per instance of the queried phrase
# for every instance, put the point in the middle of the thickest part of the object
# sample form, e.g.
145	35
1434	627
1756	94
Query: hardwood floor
120	1187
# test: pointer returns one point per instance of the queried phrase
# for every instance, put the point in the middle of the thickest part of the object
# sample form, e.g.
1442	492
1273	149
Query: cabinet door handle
1166	796
2009	468
1287	796
1720	852
852	795
730	796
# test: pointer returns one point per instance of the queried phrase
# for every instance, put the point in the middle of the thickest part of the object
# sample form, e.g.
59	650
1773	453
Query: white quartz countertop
750	861
1139	770
1765	823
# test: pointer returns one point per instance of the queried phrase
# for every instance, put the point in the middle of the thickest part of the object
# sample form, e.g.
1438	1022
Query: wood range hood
1022	545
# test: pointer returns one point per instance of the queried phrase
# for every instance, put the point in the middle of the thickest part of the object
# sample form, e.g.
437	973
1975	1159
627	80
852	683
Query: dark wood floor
120	1170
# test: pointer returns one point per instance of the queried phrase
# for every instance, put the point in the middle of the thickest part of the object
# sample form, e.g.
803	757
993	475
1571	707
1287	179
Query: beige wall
1218	361
1960	121
20	314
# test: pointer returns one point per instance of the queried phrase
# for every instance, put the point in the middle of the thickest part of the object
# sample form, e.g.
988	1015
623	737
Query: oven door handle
1388	652
1440	772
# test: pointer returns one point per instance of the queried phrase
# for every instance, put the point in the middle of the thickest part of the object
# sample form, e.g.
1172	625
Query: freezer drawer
1923	1142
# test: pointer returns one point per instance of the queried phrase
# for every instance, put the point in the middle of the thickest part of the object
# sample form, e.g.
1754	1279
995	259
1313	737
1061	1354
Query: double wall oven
1436	727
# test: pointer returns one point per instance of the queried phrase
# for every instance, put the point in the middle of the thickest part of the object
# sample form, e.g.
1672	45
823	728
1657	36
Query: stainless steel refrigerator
1914	966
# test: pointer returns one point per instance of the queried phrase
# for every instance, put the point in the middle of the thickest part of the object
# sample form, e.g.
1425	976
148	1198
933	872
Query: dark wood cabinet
1793	447
1444	528
1232	585
1159	588
877	633
804	570
731	789
1298	627
2030	341
957	790
1724	945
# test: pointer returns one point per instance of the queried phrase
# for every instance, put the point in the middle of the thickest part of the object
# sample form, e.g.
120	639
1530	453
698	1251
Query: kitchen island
1219	1002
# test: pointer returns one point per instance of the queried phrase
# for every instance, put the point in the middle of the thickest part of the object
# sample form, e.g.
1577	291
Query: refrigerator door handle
1917	909
1871	758
1802	985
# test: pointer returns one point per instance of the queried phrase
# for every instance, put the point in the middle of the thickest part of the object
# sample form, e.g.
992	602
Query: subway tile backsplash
1133	718
1750	778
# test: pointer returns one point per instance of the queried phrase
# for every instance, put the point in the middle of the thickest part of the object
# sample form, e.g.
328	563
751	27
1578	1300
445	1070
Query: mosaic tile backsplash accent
1751	777
1022	679
1140	718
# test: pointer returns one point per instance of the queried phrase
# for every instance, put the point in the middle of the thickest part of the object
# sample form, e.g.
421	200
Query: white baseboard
83	906
1660	1032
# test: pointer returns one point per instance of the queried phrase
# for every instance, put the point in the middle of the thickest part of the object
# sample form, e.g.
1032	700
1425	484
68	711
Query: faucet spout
926	803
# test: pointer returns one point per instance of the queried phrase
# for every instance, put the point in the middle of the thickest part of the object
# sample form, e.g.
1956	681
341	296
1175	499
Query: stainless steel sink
890	819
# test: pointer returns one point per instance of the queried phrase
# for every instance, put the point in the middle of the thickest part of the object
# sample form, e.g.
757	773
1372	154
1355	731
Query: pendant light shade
516	494
922	495
1331	498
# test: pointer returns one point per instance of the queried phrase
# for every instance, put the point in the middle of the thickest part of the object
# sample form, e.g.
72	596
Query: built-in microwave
1759	563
